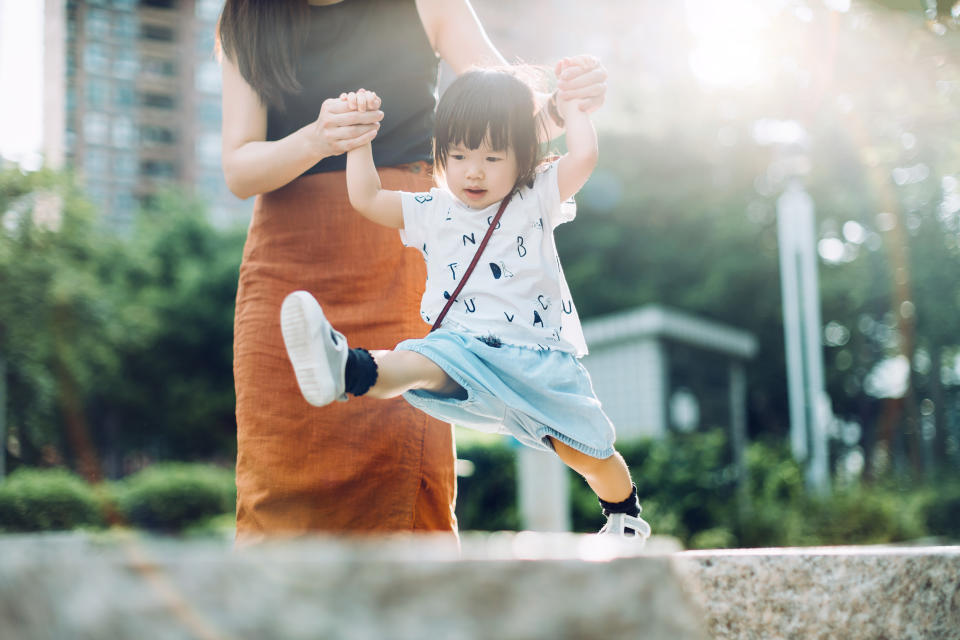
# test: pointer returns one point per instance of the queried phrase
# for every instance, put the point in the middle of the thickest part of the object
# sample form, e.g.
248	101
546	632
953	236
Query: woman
367	466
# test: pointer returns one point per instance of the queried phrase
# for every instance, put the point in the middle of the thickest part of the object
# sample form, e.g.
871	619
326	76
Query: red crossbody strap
473	263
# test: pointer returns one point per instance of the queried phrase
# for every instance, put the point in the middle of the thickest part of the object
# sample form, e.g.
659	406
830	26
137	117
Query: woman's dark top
378	45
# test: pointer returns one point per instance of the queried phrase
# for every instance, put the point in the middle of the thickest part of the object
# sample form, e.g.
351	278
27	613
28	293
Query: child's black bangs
478	123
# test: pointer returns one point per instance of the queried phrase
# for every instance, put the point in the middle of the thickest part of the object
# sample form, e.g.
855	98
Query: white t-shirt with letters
517	293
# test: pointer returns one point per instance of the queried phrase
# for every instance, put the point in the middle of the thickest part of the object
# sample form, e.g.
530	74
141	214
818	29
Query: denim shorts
524	392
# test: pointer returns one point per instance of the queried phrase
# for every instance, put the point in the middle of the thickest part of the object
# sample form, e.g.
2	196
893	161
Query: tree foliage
682	212
117	346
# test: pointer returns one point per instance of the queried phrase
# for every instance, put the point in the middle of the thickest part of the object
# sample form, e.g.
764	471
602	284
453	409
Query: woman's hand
342	125
584	79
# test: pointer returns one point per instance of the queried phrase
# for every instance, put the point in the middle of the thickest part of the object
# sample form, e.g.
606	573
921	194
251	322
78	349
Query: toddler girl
504	357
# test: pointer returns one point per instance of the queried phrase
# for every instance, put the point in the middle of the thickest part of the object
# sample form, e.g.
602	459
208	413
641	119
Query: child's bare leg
400	371
608	477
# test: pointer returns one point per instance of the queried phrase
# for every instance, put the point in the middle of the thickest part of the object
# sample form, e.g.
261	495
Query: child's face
482	176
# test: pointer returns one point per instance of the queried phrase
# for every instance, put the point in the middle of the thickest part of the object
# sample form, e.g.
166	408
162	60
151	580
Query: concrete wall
630	379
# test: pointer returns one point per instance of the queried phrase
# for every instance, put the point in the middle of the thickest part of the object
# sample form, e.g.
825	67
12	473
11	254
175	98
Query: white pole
789	207
809	403
544	488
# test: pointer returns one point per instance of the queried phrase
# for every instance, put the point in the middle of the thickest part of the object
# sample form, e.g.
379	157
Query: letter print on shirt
521	249
521	296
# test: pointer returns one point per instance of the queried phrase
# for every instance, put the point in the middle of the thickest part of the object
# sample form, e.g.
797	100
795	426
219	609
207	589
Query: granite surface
523	585
498	586
877	593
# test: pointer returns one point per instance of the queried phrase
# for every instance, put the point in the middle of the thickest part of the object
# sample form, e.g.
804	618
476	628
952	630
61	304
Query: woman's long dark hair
264	39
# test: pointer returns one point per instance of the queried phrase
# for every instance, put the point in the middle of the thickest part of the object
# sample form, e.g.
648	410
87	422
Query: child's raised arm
363	183
575	166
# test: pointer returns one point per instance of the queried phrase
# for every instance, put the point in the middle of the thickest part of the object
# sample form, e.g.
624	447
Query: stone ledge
881	592
501	586
523	585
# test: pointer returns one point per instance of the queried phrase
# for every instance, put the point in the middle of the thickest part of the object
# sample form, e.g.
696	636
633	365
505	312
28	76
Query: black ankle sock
361	373
630	506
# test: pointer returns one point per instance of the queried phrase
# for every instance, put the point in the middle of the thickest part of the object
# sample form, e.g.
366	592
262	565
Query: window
158	169
124	26
124	96
158	66
152	136
125	64
98	93
124	166
122	132
157	100
95	127
157	32
95	162
97	24
96	57
71	99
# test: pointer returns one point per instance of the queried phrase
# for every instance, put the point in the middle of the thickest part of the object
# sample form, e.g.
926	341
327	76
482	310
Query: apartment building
132	101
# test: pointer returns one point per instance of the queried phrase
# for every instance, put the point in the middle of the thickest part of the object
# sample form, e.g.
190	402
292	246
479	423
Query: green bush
47	500
689	489
487	499
942	512
862	516
171	496
685	484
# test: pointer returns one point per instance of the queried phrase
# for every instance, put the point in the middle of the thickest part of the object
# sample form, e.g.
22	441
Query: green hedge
687	486
487	499
47	500
172	496
689	489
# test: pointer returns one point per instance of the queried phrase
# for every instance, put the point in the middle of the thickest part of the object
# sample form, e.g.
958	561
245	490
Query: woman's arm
458	37
251	165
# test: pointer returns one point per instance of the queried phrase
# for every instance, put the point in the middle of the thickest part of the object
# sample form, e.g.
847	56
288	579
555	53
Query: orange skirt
362	466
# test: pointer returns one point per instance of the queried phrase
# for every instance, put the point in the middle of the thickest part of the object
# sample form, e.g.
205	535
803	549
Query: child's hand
361	100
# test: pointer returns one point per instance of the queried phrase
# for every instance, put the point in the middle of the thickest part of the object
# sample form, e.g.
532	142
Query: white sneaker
618	525
318	352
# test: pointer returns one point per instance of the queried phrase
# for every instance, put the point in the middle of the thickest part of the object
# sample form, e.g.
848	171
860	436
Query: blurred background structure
131	100
120	245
